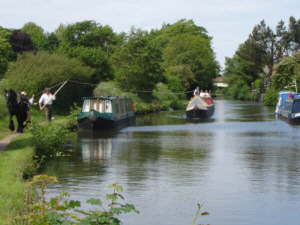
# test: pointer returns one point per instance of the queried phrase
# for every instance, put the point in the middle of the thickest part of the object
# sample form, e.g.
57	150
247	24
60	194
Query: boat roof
106	97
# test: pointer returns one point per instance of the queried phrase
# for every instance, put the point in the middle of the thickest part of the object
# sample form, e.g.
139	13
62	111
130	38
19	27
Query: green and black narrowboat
107	112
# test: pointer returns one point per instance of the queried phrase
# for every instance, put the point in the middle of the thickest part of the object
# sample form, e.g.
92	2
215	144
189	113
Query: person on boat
291	95
28	102
47	99
206	95
202	94
196	90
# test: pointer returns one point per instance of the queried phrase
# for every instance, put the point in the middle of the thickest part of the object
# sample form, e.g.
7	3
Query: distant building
219	82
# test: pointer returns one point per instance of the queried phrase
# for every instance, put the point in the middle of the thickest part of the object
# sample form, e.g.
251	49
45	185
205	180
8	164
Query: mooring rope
90	84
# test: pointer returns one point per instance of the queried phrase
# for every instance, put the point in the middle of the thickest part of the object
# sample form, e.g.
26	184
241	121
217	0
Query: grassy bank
15	163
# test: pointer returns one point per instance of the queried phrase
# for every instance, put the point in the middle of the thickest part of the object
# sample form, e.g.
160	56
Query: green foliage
180	78
3	108
37	36
6	51
15	163
48	140
137	63
95	58
91	43
187	55
286	71
58	211
33	72
271	97
71	123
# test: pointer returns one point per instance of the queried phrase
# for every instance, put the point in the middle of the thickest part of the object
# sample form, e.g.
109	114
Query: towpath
5	141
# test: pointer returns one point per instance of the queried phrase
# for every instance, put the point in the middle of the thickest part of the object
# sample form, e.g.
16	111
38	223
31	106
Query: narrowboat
288	108
199	107
107	112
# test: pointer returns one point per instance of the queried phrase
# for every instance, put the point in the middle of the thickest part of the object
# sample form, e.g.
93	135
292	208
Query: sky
228	22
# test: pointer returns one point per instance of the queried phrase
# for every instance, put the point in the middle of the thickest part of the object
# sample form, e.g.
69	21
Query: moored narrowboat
291	110
106	113
200	108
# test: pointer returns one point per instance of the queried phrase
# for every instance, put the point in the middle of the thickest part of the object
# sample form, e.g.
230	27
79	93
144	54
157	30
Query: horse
17	106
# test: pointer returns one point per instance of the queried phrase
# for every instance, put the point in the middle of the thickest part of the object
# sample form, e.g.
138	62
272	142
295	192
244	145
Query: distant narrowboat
288	108
200	108
106	113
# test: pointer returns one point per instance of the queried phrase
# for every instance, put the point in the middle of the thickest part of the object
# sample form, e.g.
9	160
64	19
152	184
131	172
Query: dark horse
17	105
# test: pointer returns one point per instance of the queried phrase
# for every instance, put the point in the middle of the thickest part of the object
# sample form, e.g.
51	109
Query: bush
48	140
58	211
3	108
270	98
32	72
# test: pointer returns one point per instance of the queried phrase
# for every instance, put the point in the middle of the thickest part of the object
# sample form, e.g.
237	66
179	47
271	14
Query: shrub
271	97
57	210
3	108
48	140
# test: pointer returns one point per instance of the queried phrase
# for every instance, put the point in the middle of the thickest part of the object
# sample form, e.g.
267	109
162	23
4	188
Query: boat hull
291	112
197	113
94	122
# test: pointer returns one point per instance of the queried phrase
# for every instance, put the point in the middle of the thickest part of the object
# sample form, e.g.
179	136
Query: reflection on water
243	163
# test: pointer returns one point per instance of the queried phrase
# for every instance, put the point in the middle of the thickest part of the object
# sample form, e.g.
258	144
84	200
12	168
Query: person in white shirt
196	91
47	100
202	94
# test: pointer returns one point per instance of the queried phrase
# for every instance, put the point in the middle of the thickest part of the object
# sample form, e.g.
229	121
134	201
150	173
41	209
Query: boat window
86	106
100	106
108	106
288	106
123	106
116	108
296	107
95	105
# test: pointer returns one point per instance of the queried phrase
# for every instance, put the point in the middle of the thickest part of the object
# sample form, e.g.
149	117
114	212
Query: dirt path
5	141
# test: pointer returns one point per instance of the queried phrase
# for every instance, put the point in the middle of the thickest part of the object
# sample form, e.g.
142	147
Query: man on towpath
47	100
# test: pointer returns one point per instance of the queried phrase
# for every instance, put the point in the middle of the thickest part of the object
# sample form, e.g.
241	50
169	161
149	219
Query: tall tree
91	43
137	63
264	38
20	42
287	71
37	36
187	47
6	51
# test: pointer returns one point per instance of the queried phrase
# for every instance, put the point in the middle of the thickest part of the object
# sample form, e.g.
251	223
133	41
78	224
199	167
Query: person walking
47	100
28	102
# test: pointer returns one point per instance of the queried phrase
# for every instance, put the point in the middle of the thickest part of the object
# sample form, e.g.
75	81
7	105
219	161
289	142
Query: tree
287	71
33	72
6	51
264	38
137	63
20	42
37	36
293	36
195	53
91	43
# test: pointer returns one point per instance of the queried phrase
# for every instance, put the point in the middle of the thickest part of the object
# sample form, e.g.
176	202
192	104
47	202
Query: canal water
243	163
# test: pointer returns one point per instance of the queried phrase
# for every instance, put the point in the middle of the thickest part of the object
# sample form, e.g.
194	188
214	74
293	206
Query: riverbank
16	165
16	162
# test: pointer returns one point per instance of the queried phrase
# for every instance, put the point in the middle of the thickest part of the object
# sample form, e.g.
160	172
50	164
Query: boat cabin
282	97
115	105
106	112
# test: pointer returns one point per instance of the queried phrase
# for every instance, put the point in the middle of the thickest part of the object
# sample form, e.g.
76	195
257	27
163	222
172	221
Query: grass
15	162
